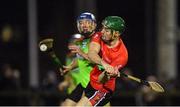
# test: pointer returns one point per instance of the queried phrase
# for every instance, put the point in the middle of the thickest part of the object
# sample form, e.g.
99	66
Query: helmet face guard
115	23
90	18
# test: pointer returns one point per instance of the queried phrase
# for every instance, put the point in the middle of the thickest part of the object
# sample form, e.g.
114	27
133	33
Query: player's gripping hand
65	69
111	71
103	77
75	49
115	73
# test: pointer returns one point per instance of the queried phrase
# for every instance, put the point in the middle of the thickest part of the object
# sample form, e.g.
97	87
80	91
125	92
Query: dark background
57	19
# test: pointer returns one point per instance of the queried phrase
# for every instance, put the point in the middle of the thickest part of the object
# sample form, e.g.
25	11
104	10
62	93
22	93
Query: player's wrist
103	63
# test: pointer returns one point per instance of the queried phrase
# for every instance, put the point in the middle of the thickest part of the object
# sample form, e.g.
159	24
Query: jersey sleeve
96	37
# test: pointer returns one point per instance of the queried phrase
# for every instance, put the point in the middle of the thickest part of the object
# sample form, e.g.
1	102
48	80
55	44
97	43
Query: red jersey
116	56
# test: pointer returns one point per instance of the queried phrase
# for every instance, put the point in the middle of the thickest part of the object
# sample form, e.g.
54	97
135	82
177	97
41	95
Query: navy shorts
76	93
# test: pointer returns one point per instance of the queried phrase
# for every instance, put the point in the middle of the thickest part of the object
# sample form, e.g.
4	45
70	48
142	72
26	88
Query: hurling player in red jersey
108	50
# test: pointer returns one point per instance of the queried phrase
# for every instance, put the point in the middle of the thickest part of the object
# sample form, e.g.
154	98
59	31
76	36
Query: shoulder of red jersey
96	37
97	34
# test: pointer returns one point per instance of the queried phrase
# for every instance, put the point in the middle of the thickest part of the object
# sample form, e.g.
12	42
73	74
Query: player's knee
84	101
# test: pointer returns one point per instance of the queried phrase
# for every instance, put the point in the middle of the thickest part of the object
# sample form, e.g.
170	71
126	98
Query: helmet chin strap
87	34
113	35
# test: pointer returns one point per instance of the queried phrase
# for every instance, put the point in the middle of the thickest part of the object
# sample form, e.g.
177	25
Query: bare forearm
94	58
85	55
69	67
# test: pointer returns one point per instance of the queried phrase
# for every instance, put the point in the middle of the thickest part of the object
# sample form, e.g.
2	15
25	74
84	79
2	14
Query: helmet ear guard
93	27
114	33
